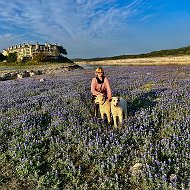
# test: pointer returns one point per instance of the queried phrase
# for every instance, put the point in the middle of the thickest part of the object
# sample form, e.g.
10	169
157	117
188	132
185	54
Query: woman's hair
99	69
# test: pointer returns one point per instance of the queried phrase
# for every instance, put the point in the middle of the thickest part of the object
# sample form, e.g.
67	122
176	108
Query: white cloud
146	17
66	21
69	17
8	39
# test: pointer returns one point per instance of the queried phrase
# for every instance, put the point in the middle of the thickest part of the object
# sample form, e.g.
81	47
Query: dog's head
115	101
100	99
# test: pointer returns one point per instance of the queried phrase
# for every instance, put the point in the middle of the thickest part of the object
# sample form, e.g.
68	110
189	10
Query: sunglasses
99	72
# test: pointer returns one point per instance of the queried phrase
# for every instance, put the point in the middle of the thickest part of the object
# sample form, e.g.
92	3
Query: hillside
161	53
166	60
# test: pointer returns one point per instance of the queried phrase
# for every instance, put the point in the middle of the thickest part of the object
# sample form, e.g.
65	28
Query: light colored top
105	90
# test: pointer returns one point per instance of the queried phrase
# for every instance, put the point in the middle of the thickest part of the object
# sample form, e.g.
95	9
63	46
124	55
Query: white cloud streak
69	21
7	39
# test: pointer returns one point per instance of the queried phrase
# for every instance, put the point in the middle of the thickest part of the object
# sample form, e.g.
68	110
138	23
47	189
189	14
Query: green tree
12	57
40	57
2	57
62	50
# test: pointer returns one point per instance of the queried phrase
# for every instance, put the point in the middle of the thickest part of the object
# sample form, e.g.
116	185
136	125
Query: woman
100	86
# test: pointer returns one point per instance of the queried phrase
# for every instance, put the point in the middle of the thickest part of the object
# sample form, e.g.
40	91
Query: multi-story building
28	51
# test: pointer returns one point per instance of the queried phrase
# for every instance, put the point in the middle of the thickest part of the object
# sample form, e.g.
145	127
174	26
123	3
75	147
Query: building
28	51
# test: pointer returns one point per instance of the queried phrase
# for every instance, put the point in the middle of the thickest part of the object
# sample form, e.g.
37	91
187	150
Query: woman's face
100	73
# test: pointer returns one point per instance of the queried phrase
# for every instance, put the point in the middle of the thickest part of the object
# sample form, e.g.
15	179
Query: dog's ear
118	99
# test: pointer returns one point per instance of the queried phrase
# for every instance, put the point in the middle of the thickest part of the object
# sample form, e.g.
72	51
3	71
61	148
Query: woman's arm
108	88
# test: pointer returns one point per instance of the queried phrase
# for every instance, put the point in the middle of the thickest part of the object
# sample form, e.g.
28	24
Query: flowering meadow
49	139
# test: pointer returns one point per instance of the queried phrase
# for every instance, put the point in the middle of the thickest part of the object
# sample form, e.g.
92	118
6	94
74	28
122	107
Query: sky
96	28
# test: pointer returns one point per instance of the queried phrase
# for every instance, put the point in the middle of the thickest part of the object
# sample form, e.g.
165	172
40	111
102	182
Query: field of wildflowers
49	140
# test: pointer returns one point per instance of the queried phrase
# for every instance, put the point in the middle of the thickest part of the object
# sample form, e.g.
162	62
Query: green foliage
148	86
62	50
12	57
63	59
2	57
160	53
40	57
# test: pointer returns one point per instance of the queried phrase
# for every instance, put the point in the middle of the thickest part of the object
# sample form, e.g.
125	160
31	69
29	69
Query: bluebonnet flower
156	134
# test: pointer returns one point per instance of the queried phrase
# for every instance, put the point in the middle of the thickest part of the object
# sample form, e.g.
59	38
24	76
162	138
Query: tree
40	57
62	50
12	57
2	57
63	59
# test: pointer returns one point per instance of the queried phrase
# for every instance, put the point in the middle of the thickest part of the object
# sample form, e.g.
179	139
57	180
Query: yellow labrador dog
118	109
105	107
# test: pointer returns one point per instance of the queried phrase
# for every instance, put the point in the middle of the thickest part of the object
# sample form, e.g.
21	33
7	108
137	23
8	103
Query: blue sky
97	28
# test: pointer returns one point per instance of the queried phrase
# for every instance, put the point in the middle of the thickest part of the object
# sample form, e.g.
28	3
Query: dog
118	109
105	107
